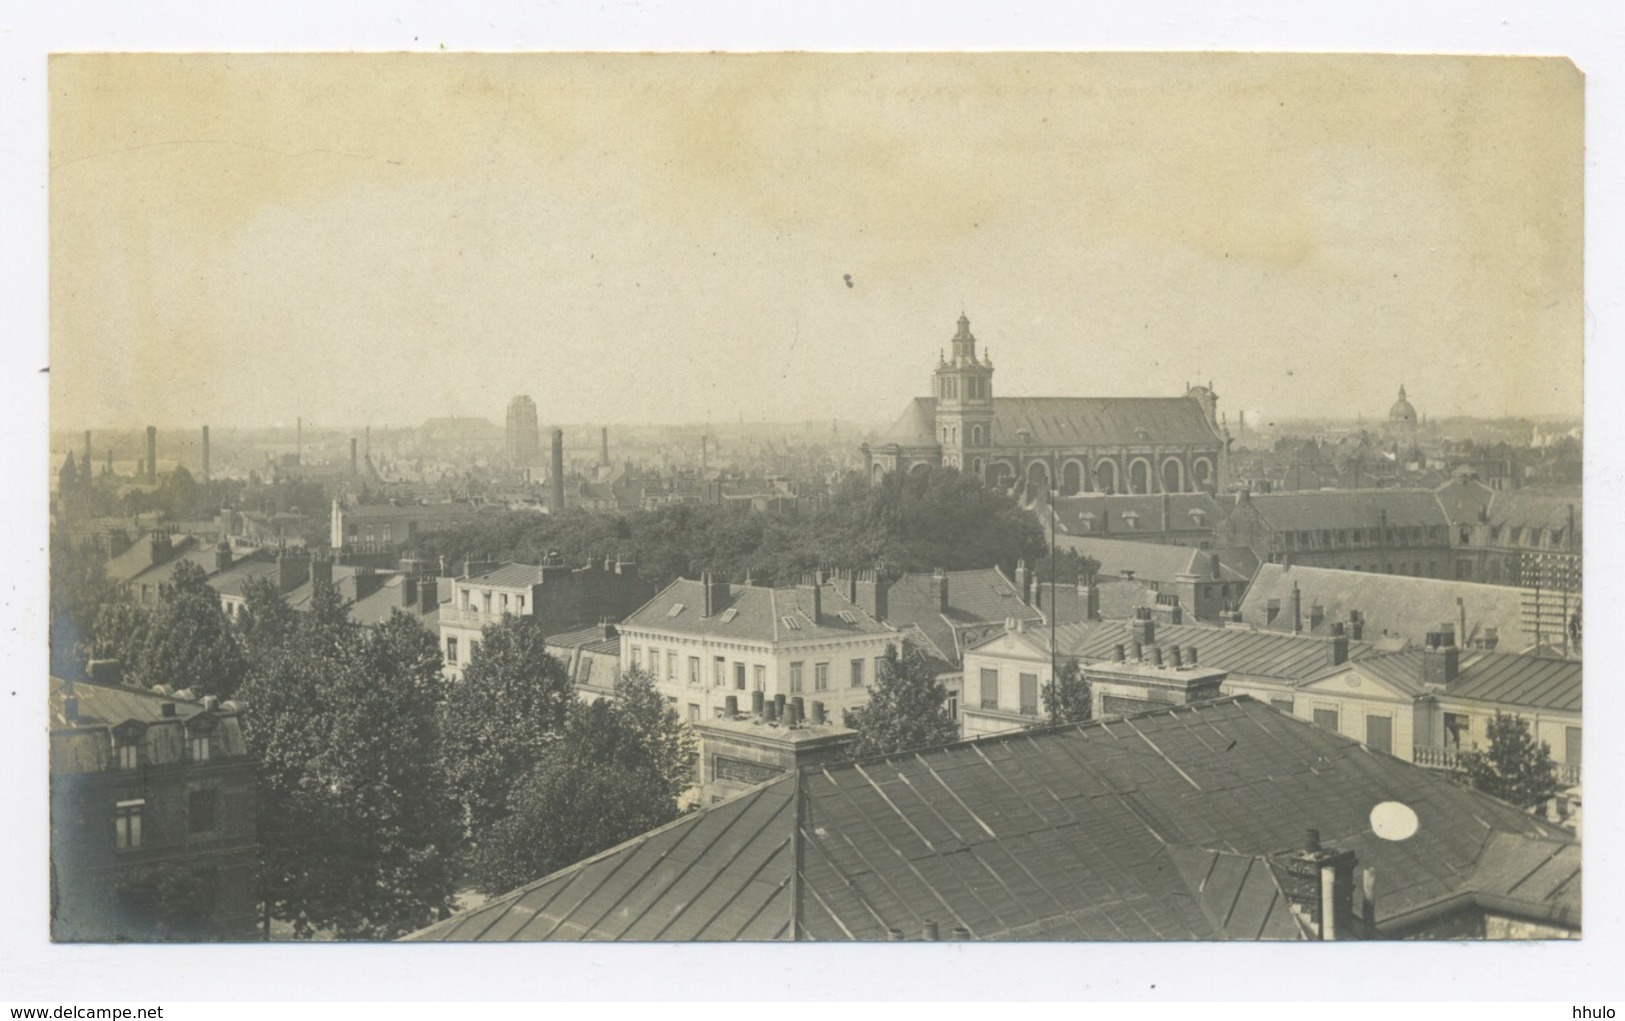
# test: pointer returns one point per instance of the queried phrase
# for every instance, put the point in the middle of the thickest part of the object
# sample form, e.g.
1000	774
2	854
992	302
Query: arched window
975	435
1038	474
1106	476
1071	478
1173	476
1202	472
976	465
1139	475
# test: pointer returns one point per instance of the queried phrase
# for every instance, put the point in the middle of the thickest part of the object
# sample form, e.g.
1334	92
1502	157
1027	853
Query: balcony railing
1568	774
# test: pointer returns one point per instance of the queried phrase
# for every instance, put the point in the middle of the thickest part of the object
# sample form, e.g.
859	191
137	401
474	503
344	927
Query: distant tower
1402	423
603	447
152	453
205	453
524	437
963	388
558	471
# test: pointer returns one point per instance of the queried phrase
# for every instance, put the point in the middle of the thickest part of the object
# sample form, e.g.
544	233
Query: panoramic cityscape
516	527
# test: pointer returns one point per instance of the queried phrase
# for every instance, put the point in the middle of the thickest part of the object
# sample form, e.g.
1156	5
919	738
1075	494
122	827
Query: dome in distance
1402	410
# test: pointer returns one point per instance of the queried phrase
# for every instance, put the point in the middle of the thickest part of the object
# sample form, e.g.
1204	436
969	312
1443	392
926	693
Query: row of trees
381	788
914	522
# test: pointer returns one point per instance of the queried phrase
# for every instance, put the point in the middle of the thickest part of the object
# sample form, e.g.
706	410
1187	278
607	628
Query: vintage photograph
565	496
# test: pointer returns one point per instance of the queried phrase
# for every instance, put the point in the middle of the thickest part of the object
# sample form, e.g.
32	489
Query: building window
857	673
1457	730
671	666
127	824
504	602
1283	704
1379	734
795	676
821	677
1029	694
1326	719
451	650
199	748
694	670
637	657
990	688
761	677
1571	746
521	607
693	712
586	669
129	756
200	811
739	677
719	672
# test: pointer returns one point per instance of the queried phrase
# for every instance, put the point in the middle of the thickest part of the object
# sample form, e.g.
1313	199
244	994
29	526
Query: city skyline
808	226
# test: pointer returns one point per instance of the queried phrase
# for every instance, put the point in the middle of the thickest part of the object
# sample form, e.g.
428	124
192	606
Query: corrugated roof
1391	604
1162	826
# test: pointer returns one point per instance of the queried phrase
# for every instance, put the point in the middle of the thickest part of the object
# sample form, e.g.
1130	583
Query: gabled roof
1399	672
760	614
1392	604
976	597
1167	825
137	559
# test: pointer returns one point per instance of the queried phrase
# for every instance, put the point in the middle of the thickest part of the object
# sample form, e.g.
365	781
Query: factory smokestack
205	453
299	441
87	449
603	446
558	471
152	453
355	464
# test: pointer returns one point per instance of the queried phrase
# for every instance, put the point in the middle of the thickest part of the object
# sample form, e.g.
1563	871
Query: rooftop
754	613
1162	826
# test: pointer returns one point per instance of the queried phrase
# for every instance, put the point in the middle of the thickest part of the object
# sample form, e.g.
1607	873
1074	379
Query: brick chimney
205	452
940	578
1089	599
429	595
1356	625
1143	628
1024	583
812	597
1319	886
872	590
152	453
1317	614
1441	659
1297	610
321	571
1339	646
558	471
409	591
355	461
222	555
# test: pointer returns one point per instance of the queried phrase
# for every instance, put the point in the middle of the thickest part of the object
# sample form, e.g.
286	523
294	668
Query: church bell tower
963	388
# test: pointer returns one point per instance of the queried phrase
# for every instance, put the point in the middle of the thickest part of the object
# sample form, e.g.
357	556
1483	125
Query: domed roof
1402	410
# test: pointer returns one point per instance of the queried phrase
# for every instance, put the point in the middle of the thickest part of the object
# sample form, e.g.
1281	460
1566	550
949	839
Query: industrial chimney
603	447
205	453
152	453
558	471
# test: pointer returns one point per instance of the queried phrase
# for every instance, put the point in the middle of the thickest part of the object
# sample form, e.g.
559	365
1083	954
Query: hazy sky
382	239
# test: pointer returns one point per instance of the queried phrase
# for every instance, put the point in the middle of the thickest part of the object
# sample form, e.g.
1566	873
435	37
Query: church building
1075	444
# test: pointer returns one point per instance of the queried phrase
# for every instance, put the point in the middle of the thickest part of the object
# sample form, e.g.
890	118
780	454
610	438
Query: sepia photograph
806	497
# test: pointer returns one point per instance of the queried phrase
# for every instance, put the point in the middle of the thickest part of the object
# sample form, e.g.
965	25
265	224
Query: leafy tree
1514	767
1068	700
616	771
357	834
498	720
120	632
189	642
265	622
178	495
907	708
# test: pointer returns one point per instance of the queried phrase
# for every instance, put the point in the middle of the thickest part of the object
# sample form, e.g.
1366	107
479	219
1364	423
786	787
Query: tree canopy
1514	767
189	642
907	708
1068	700
617	770
498	720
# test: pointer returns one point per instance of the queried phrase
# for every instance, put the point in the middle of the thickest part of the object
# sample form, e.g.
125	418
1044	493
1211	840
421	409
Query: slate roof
1349	508
1536	508
1150	561
1390	603
509	575
1241	651
1101	421
137	559
975	597
1111	513
760	614
84	745
1070	422
1161	826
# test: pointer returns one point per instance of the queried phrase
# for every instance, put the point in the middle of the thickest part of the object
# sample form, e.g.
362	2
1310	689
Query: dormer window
129	756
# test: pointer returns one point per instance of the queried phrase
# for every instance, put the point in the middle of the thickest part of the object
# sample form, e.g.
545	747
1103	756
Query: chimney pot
1311	840
732	706
818	714
929	930
1118	653
757	700
1190	656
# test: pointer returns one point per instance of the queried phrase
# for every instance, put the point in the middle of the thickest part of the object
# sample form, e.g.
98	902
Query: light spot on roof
1394	820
